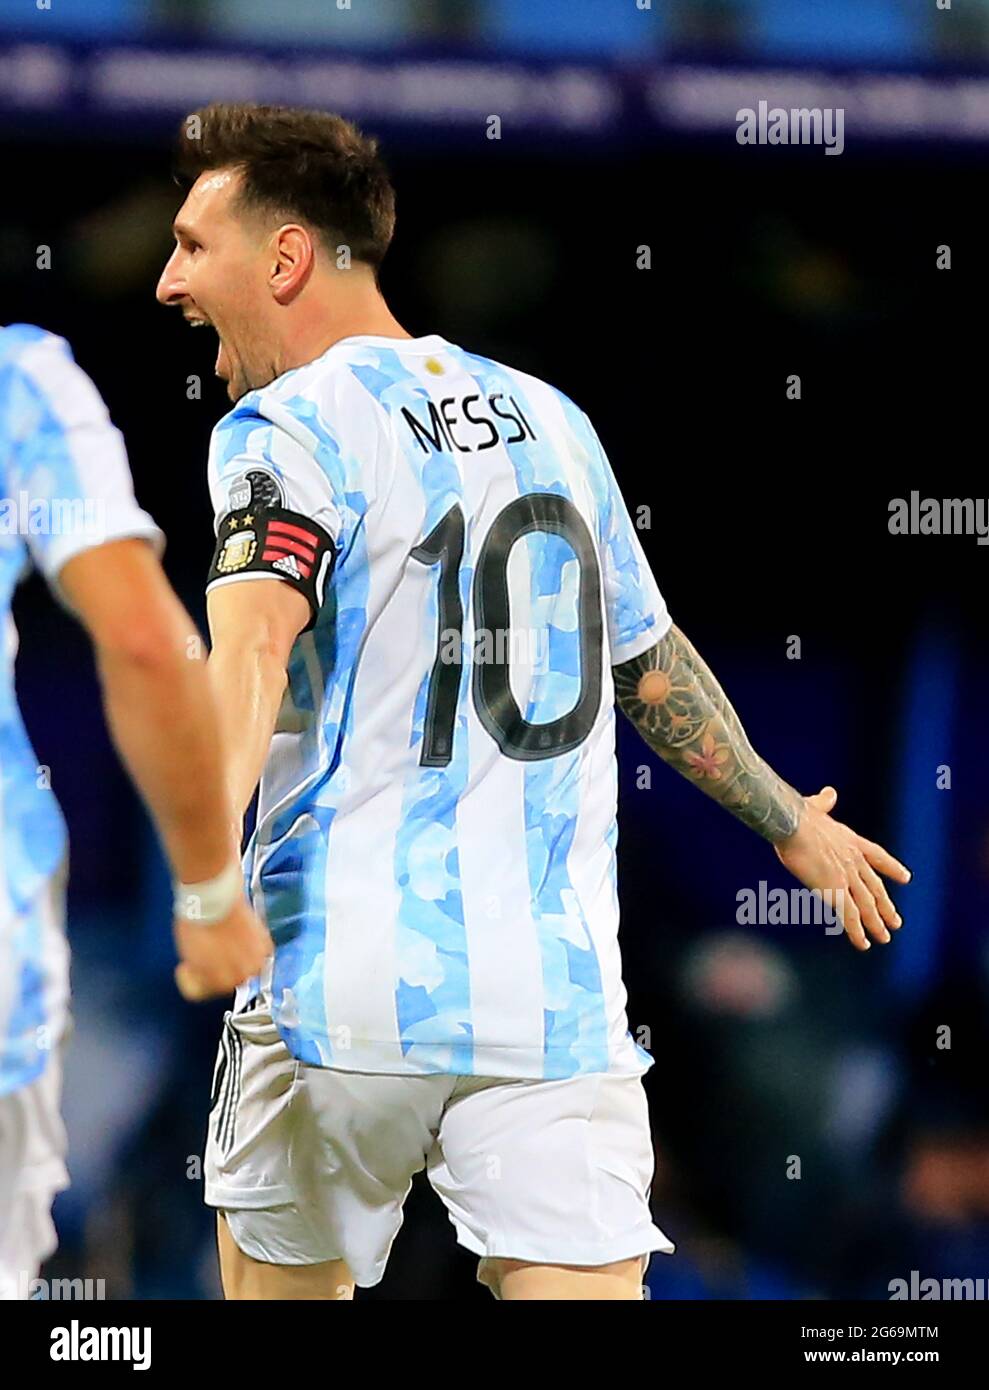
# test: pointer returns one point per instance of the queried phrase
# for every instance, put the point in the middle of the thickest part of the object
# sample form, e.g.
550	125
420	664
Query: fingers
872	911
215	959
877	910
192	986
882	860
215	979
884	903
826	852
825	800
209	978
868	911
851	919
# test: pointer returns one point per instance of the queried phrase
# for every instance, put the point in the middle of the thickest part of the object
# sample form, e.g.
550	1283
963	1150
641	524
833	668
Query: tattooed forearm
671	696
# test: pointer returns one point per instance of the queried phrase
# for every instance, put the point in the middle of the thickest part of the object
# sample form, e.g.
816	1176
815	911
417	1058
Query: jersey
434	848
65	486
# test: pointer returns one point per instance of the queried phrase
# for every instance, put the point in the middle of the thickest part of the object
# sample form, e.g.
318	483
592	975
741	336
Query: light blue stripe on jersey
292	876
28	418
338	636
293	882
631	614
34	835
575	1019
432	998
294	900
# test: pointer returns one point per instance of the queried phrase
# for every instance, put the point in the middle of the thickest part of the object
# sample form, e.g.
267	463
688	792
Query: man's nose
170	289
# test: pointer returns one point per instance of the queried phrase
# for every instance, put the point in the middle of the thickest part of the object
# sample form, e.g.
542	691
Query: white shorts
32	1170
311	1164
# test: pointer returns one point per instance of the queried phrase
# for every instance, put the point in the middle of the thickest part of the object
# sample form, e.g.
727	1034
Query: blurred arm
673	699
156	694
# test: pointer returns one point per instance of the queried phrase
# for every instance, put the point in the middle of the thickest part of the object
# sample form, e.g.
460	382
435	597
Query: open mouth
199	321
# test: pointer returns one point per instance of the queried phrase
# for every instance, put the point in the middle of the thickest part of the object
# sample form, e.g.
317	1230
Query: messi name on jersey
465	424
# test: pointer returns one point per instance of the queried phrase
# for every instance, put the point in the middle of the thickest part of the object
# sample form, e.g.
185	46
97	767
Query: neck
324	320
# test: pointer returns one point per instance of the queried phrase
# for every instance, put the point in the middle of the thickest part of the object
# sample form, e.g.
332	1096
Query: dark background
768	520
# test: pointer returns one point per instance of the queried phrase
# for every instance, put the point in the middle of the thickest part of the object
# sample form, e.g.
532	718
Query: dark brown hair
310	165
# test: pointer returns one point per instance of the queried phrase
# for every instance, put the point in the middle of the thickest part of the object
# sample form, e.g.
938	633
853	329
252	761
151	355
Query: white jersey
435	844
64	487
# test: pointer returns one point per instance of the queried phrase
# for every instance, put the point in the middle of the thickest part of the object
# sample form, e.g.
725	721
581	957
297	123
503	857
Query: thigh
244	1277
32	1171
553	1174
311	1166
516	1279
27	1240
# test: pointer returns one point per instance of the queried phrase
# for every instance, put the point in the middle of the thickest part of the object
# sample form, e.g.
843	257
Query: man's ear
294	259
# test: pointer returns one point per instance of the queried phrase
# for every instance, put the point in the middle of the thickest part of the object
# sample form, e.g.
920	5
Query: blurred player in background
66	484
423	579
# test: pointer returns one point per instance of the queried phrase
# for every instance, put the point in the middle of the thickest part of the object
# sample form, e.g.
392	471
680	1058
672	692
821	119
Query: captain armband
274	541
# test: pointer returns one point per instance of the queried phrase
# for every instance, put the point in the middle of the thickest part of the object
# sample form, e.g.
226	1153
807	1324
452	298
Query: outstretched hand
826	855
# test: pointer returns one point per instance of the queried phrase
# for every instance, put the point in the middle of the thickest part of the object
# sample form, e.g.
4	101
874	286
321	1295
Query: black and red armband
274	541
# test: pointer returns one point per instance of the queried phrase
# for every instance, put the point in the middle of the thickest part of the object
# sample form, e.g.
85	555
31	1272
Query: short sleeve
67	469
636	611
278	512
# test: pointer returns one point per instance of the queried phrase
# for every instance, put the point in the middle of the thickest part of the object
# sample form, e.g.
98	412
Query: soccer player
68	505
425	593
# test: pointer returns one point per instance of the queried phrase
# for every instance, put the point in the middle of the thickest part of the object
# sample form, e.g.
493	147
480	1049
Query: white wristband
207	902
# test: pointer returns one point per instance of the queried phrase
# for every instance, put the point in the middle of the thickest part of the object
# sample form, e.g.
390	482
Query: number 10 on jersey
491	689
